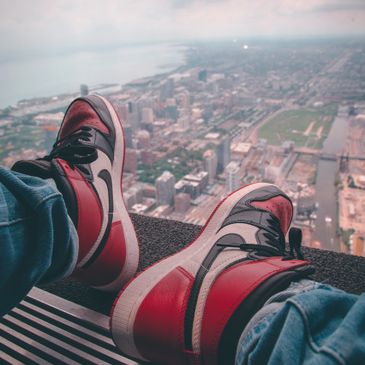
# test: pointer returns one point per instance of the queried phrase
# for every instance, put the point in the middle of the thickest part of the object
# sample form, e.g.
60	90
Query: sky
39	27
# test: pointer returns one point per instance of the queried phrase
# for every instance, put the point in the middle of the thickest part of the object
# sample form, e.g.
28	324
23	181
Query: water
57	74
325	232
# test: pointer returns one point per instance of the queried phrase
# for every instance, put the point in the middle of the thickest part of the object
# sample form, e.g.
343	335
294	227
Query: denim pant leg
38	241
316	324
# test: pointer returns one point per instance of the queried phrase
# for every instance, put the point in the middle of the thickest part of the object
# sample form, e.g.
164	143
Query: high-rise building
133	195
182	202
167	89
133	118
188	187
202	75
128	133
223	153
201	178
131	160
143	139
148	157
184	122
228	101
84	90
147	115
192	184
165	189
232	171
123	112
131	107
170	102
134	121
357	245
210	164
184	100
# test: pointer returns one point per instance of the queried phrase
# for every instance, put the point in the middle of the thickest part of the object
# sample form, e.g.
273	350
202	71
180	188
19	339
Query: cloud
49	27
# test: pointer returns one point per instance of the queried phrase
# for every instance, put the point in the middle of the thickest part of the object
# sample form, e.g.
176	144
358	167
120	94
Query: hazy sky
49	26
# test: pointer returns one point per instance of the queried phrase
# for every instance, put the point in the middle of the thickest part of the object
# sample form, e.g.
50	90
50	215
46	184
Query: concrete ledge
160	238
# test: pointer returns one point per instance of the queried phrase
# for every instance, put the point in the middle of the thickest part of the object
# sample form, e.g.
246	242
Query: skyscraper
165	189
184	100
232	171
143	139
133	118
210	164
223	153
84	90
123	112
167	89
203	75
131	160
184	122
147	115
128	133
182	202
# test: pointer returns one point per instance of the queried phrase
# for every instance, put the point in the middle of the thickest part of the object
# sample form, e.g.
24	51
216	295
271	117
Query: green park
306	127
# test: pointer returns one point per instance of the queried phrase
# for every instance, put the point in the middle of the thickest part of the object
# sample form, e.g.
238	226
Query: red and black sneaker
192	307
87	165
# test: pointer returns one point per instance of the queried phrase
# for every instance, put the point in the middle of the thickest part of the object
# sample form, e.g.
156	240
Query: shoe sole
126	305
120	211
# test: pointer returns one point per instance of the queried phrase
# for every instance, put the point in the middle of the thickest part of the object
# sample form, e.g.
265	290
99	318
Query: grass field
306	127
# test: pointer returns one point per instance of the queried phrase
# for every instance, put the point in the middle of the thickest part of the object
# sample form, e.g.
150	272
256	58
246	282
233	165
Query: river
326	194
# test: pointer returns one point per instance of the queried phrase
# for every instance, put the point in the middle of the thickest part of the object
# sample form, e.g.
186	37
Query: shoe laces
295	244
74	148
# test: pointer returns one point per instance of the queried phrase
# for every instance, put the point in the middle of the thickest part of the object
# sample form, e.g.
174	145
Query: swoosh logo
105	176
103	188
199	278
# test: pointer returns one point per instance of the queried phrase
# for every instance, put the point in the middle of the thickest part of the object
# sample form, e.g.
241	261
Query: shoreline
172	67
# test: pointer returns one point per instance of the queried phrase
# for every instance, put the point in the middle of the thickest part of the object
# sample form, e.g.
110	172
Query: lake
31	77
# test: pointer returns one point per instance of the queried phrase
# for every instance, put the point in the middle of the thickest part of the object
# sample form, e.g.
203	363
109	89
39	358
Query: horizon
184	42
66	26
16	89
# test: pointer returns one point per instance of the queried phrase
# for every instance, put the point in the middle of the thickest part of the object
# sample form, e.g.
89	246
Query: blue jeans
38	241
309	323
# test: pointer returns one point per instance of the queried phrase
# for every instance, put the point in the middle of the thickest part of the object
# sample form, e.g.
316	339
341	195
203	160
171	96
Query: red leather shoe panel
228	291
280	207
78	115
110	261
89	209
159	325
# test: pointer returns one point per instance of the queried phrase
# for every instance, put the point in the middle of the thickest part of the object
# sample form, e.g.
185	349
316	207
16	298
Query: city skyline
285	114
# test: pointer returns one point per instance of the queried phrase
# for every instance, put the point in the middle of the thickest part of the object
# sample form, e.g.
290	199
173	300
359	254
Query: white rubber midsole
120	210
121	213
127	305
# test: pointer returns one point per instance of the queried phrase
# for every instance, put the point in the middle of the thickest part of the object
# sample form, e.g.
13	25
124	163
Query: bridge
327	156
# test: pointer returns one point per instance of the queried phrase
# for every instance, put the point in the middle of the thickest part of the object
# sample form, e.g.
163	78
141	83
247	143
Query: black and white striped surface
46	329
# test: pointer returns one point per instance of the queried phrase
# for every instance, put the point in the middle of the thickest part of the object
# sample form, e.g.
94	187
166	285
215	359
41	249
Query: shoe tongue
40	168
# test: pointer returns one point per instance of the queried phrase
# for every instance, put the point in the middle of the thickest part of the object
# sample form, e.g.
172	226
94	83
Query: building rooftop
242	147
166	175
212	135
